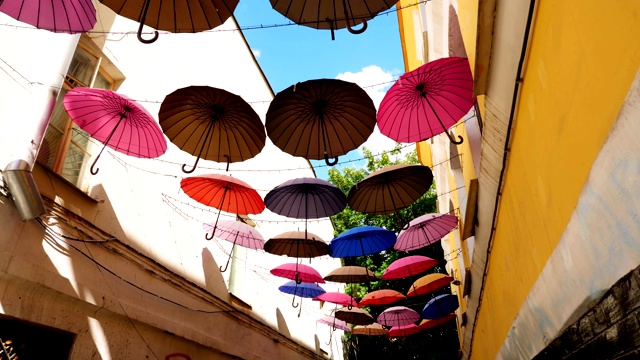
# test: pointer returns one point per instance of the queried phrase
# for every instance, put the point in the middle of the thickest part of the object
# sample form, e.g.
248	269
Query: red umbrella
298	272
427	101
224	193
425	230
381	297
337	298
428	324
60	16
428	284
238	233
398	316
404	330
116	121
408	266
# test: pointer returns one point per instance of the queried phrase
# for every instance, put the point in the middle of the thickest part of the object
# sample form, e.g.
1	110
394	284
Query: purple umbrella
238	233
335	323
425	230
398	316
60	16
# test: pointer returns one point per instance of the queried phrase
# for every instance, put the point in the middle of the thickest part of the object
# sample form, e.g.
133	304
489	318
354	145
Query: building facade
553	183
118	266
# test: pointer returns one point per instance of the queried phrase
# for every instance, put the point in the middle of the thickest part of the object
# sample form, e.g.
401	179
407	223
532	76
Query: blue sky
291	54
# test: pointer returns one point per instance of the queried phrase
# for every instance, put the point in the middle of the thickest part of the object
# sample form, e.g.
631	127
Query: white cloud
256	53
367	78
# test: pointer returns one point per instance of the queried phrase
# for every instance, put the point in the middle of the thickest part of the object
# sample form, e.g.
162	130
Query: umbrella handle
143	18
300	311
230	253
226	266
206	236
330	335
460	138
333	35
346	17
184	170
330	162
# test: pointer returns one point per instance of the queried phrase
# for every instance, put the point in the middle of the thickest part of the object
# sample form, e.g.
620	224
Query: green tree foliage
437	343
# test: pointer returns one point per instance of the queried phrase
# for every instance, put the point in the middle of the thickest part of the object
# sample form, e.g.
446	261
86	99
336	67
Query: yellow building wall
468	18
406	23
582	60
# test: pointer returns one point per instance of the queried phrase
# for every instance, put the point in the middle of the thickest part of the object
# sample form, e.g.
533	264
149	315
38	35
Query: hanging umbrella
428	324
335	323
59	16
381	297
408	266
371	330
425	230
427	101
224	193
320	119
360	241
428	284
404	330
302	290
337	298
390	189
212	124
237	233
354	316
298	272
398	316
440	306
332	15
184	16
297	244
351	274
116	121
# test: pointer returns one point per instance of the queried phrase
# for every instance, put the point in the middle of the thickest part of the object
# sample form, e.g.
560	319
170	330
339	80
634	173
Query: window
66	149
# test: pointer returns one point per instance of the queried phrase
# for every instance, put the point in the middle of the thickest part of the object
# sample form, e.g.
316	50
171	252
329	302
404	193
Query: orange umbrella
429	283
427	324
381	297
371	330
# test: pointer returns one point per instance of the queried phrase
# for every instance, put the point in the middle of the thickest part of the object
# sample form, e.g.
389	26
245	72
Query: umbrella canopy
298	272
60	16
332	15
306	198
335	323
398	316
427	101
381	297
429	283
320	119
370	330
440	306
408	266
337	298
237	233
360	241
390	189
297	244
425	230
116	121
404	330
212	124
428	324
351	274
355	316
184	16
304	290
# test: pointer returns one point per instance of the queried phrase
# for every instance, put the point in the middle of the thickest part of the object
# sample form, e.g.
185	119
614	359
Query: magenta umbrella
298	272
238	233
59	16
427	101
337	298
116	121
398	316
408	266
425	230
405	330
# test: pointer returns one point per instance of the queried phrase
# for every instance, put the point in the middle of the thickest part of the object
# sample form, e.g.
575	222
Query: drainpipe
507	146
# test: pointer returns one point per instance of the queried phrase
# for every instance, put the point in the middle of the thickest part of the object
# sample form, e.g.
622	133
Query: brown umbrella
351	274
333	15
294	244
390	189
320	119
354	316
212	124
185	16
371	330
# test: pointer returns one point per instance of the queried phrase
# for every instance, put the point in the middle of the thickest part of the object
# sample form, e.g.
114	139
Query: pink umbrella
404	330
298	272
238	233
335	323
425	230
427	101
60	16
408	266
398	316
337	298
116	121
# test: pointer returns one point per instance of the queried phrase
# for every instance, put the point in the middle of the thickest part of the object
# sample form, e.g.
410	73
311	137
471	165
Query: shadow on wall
213	277
282	324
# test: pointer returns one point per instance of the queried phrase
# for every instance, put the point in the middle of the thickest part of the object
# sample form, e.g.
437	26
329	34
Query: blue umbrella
303	290
360	241
440	306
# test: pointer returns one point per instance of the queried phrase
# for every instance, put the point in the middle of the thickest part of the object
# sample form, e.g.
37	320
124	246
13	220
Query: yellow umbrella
429	283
